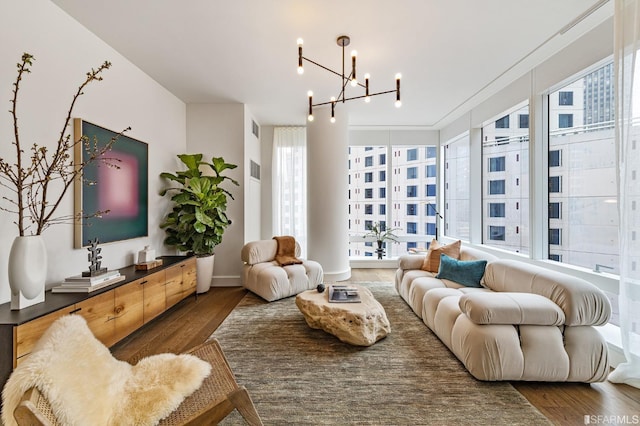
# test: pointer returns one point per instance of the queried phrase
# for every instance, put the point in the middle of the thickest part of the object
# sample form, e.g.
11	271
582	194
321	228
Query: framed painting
122	190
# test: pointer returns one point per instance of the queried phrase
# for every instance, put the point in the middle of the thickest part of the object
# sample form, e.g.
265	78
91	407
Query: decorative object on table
123	191
320	288
344	41
146	255
198	217
343	294
381	234
40	177
148	265
87	286
95	260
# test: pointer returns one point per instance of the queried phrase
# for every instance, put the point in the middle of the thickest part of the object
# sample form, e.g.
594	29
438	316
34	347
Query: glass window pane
505	174
582	172
456	188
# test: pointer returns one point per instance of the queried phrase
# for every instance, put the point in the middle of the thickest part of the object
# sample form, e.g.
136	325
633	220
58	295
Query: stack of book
343	294
80	284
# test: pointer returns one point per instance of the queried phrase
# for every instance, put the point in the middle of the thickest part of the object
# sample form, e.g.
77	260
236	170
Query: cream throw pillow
432	260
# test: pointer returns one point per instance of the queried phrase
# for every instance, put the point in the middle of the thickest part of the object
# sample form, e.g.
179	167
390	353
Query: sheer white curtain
290	183
627	42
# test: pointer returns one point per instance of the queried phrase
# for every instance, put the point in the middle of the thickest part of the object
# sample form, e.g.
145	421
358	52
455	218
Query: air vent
255	129
255	170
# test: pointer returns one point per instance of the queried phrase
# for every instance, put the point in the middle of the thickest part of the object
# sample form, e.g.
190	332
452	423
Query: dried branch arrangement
40	179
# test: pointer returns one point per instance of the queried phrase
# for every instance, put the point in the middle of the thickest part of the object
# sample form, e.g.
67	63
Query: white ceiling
452	53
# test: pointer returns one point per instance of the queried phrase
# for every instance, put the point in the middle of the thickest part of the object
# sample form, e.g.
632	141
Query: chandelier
346	79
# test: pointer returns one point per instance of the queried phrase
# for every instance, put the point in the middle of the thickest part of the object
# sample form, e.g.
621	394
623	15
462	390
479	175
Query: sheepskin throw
86	385
286	253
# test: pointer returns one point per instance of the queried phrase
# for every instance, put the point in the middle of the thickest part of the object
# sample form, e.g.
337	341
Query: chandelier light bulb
367	99
310	118
398	76
310	93
300	42
300	70
398	104
333	119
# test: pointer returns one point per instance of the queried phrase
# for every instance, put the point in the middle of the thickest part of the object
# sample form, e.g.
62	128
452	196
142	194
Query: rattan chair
218	396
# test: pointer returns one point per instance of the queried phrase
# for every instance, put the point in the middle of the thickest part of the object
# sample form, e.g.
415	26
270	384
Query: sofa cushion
432	260
262	251
510	308
582	302
466	272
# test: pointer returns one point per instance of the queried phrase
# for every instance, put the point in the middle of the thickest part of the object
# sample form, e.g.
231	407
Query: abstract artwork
121	188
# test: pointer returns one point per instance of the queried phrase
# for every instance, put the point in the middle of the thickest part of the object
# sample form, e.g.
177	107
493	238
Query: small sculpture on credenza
95	262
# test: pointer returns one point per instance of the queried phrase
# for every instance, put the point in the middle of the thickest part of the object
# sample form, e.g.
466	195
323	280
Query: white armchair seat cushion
262	275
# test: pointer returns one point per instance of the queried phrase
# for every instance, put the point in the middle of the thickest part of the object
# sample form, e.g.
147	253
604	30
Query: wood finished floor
191	321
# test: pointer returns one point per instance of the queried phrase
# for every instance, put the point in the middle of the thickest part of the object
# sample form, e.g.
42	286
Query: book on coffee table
343	294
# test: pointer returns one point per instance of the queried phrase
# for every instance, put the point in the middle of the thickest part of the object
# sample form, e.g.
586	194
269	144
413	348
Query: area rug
300	376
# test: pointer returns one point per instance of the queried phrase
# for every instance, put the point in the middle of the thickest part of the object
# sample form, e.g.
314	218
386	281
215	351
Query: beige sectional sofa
525	323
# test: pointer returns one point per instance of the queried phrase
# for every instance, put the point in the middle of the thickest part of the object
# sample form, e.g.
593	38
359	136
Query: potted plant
38	179
198	219
381	234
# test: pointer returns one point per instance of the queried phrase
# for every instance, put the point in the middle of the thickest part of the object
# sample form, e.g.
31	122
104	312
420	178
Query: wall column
327	194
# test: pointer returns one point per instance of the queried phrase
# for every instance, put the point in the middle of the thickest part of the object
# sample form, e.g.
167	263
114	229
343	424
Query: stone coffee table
360	324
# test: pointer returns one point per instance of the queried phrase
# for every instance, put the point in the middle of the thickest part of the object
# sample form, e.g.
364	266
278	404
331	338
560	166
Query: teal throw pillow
465	272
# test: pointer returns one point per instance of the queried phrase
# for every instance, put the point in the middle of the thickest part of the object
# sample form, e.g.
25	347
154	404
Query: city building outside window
523	119
403	208
505	174
431	170
412	173
496	209
502	123
496	187
555	159
456	211
555	184
430	190
496	233
496	164
582	172
565	98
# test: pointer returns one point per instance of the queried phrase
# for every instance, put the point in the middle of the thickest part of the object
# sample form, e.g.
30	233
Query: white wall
252	194
217	130
64	52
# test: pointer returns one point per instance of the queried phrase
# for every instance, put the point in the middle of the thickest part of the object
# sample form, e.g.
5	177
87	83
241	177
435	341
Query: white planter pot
27	271
204	272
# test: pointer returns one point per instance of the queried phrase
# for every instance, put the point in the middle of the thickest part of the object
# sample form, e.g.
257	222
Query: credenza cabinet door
26	335
174	285
128	308
189	277
155	299
98	311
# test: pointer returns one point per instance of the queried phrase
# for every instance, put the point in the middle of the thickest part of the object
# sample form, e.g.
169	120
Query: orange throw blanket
286	253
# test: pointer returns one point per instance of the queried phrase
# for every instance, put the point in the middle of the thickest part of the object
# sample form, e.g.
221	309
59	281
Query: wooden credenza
112	312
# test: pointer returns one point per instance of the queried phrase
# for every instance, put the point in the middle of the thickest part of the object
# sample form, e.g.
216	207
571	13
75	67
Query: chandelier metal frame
346	79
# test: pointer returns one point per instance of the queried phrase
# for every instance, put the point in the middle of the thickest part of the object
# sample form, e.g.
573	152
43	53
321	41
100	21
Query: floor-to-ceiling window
505	180
394	186
583	216
456	211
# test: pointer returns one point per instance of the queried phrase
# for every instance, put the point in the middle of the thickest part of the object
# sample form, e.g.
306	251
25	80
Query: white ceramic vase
27	271
204	273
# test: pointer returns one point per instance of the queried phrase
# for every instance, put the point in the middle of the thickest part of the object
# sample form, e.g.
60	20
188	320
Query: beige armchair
262	275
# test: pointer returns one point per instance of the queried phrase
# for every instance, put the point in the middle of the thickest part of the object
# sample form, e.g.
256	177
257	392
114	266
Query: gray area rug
300	376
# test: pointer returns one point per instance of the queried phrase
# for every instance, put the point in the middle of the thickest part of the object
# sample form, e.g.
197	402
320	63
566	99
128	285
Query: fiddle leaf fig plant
198	218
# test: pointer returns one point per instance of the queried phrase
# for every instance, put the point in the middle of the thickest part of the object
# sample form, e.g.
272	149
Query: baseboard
226	281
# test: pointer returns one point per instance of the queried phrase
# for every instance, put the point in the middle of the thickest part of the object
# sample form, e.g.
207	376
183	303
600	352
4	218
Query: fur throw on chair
86	385
286	254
